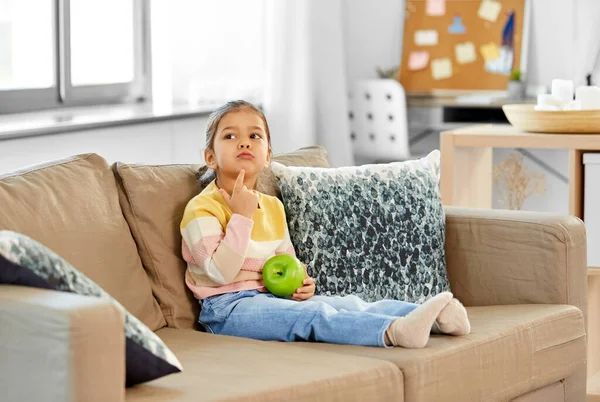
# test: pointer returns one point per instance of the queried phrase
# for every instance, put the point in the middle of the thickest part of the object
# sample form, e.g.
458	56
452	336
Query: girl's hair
205	174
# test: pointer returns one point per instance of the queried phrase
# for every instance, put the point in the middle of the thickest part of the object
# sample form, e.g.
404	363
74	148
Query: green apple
283	275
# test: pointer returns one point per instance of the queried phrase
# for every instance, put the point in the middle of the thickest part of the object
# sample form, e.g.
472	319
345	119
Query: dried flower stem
517	182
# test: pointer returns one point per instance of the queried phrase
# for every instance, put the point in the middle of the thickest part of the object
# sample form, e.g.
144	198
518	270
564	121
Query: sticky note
489	10
457	26
435	7
418	60
465	53
441	68
427	37
490	51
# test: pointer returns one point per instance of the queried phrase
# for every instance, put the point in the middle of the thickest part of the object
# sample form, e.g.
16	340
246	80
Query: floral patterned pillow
23	261
375	231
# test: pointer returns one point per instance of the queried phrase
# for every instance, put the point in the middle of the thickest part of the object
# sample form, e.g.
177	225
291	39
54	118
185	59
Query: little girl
229	230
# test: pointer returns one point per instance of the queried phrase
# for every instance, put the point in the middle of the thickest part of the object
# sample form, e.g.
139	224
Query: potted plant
516	86
389	73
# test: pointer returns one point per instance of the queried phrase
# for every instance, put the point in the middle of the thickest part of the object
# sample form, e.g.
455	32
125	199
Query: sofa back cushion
153	199
72	207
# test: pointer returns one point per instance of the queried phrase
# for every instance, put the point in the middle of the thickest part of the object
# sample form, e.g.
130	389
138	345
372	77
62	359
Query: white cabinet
591	207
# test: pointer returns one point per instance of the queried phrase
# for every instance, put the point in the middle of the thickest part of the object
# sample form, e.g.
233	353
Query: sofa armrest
499	257
59	346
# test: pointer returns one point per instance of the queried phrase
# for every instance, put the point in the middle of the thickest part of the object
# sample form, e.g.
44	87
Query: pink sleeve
218	255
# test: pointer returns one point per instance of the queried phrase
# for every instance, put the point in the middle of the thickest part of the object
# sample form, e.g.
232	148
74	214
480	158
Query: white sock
453	319
413	330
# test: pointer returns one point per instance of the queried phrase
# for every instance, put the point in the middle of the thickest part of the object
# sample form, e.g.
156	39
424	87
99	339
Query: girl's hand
242	201
307	290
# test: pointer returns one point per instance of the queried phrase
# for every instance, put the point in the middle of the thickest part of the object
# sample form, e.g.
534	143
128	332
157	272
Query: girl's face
240	143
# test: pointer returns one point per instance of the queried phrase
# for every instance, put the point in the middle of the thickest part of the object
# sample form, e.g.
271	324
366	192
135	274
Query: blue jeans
332	319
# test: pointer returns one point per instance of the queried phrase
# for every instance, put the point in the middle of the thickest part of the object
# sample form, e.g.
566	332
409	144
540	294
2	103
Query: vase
516	90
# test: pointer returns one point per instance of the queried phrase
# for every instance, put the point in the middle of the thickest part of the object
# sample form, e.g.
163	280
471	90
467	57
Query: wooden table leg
576	183
466	175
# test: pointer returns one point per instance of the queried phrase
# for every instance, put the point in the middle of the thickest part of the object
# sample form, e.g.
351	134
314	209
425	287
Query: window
26	48
89	51
71	52
217	50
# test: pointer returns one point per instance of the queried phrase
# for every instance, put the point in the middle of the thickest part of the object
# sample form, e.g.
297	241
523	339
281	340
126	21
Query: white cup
589	97
563	90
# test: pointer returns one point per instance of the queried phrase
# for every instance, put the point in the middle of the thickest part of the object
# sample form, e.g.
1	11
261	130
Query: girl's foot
413	330
453	319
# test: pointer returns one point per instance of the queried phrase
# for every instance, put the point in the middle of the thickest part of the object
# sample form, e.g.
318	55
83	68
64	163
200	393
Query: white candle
563	89
550	100
573	105
589	97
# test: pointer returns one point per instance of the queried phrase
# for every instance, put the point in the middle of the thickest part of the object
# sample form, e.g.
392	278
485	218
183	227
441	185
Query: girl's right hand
242	201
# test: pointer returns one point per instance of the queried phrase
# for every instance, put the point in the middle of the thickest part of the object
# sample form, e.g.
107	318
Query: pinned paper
503	63
489	10
441	68
504	58
465	53
436	7
490	51
418	60
426	37
457	26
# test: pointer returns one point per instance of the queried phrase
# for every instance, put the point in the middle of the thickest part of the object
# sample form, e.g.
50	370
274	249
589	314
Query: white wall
373	35
565	38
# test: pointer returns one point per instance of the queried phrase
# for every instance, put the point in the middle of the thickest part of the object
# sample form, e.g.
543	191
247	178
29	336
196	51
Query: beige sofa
521	275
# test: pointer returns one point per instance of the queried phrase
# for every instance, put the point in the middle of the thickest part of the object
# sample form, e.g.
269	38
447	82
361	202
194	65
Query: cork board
462	45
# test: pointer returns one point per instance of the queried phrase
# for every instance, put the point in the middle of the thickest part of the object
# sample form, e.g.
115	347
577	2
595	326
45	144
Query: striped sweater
225	252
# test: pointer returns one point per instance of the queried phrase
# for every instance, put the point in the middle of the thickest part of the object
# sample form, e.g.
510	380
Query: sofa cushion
72	207
219	368
510	351
153	199
23	261
315	156
374	231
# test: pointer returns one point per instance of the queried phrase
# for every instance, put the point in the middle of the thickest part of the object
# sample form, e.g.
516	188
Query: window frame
64	94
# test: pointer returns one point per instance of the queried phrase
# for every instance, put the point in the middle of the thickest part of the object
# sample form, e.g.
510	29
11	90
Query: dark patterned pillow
23	261
376	231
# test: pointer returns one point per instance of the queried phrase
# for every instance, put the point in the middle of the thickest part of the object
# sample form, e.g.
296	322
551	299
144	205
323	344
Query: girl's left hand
306	291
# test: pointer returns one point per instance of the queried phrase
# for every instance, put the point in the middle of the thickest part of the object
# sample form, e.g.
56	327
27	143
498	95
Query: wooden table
466	180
